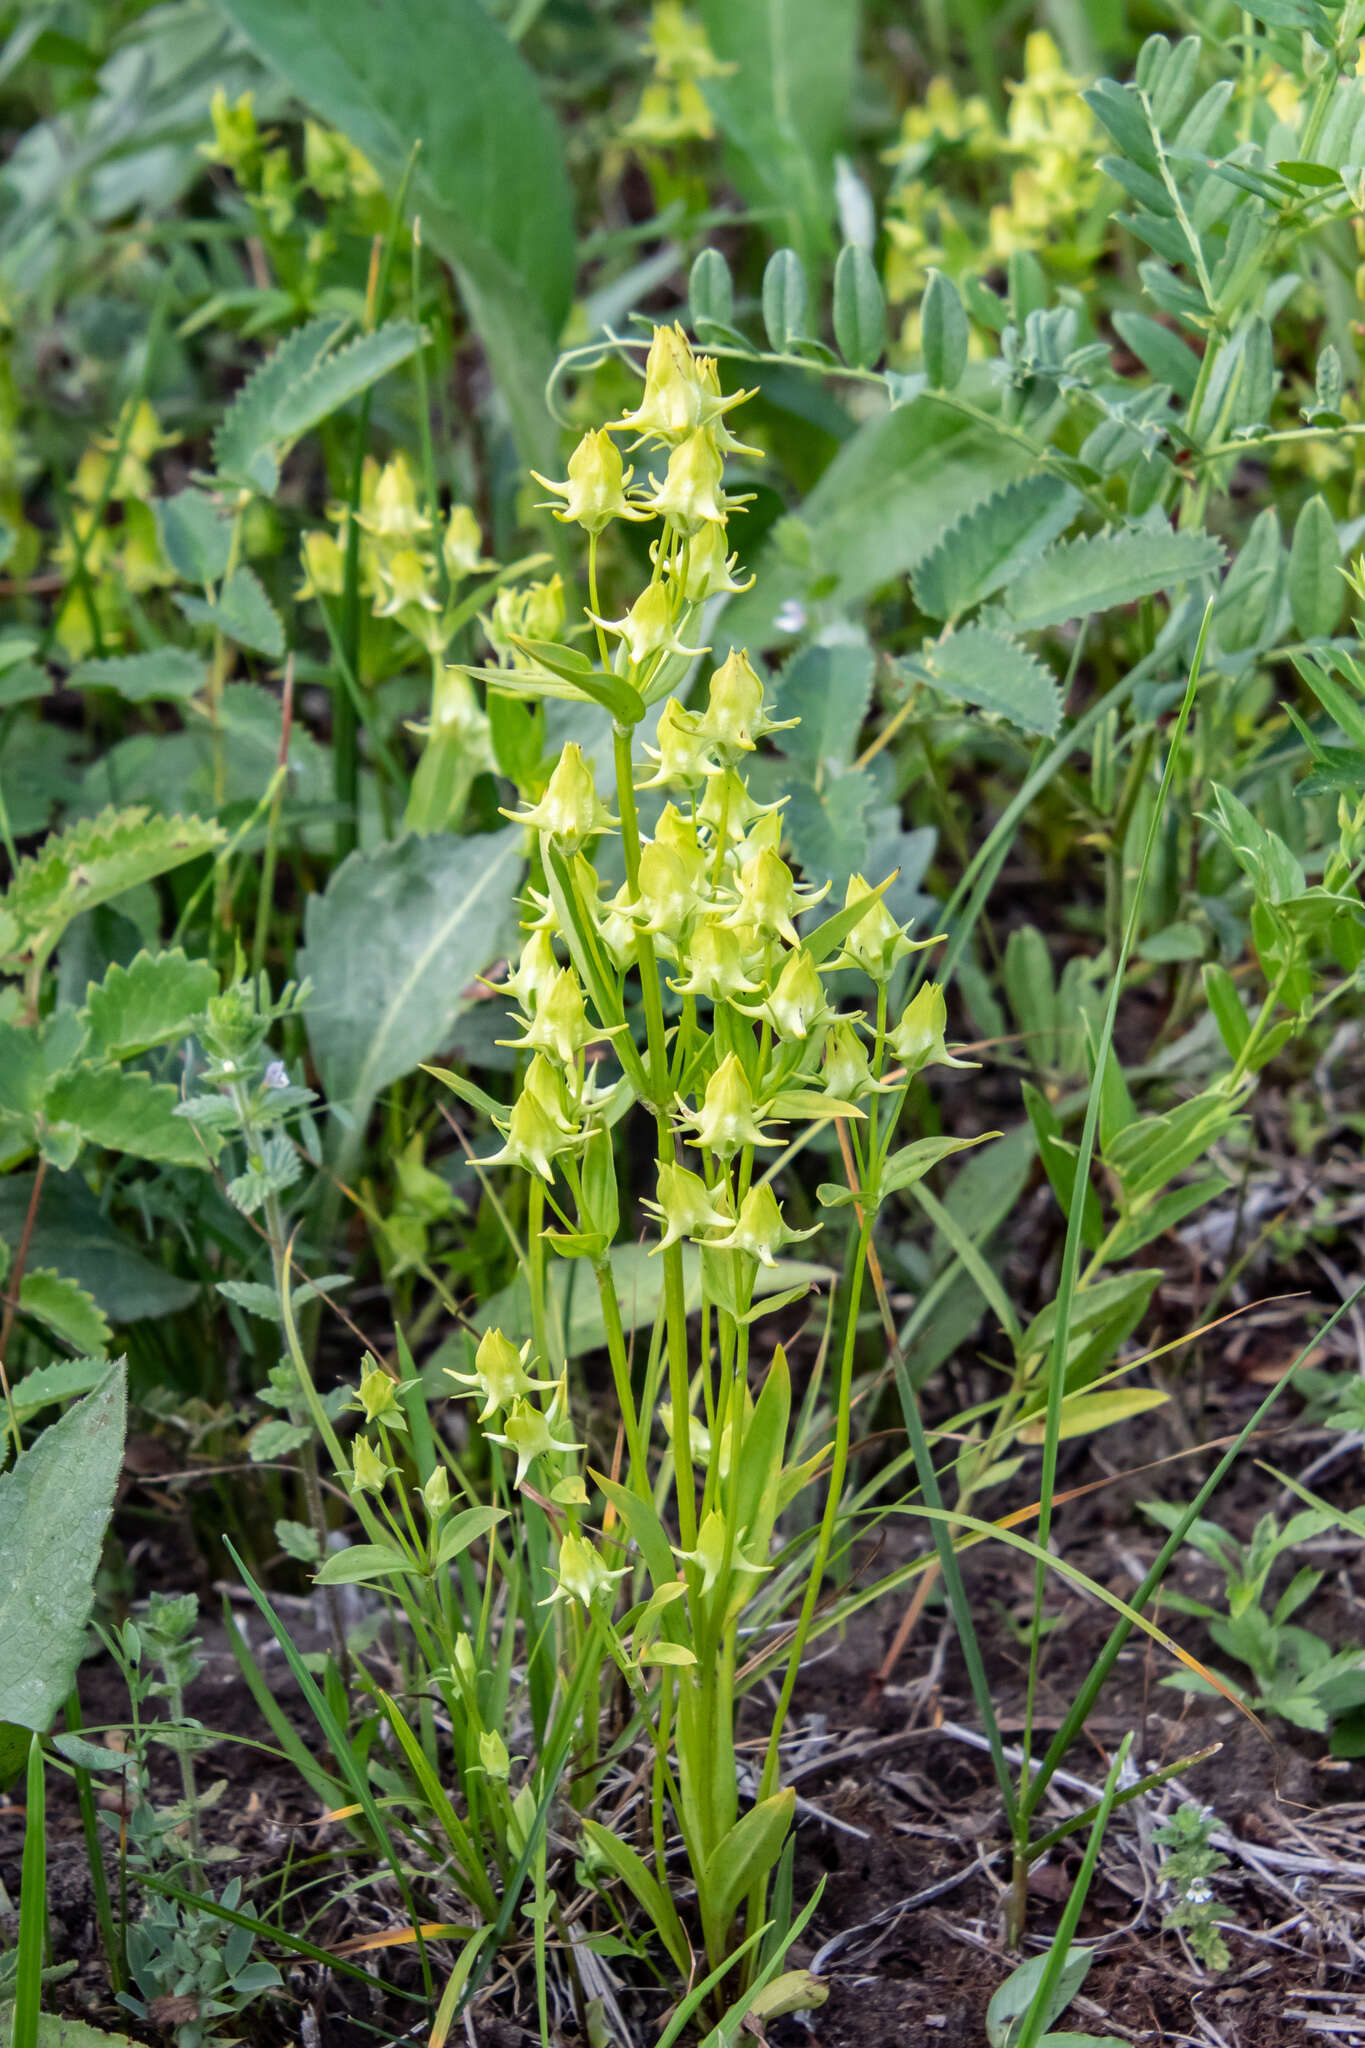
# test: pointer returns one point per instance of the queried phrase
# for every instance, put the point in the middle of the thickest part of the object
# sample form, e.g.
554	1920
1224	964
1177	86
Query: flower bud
393	514
847	1073
324	565
368	1470
570	810
462	545
716	965
493	1757
691	493
918	1040
728	1118
436	1493
685	1206
378	1396
595	493
759	1229
647	627
876	941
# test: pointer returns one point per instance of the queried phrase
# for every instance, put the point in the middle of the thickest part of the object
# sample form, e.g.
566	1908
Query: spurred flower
728	1118
499	1375
581	1573
595	493
686	1206
918	1040
759	1228
530	1434
570	810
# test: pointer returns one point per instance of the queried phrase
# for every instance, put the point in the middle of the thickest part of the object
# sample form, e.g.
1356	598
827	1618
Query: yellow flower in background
672	105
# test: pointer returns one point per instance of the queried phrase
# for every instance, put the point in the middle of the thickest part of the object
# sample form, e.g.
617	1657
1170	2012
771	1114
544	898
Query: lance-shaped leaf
298	387
1101	570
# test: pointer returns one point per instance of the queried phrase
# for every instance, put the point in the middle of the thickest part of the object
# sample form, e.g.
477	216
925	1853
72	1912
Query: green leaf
126	1111
982	666
784	299
359	1563
859	308
54	1505
241	612
635	1874
1011	2001
490	182
943	333
828	687
165	674
244	442
911	1162
63	1380
829	827
464	1529
881	505
151	1002
333	381
72	1236
95	861
710	291
392	948
1317	587
1170	360
783	110
745	1855
65	1308
992	542
1100	570
195	535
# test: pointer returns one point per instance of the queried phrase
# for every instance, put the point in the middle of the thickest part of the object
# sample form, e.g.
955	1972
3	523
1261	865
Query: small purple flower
277	1075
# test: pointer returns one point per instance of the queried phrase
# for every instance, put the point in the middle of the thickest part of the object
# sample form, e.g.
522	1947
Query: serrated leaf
392	949
126	1111
784	299
292	405
859	308
981	666
63	1380
54	1505
65	1308
150	1002
243	444
195	535
1317	588
991	543
165	674
94	862
241	612
1101	570
828	827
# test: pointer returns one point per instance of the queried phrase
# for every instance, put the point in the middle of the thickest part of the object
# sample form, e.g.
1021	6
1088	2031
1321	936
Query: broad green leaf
911	1162
982	666
829	827
640	1881
1317	588
881	505
784	299
165	674
784	109
1011	2001
63	1380
274	410
54	1505
392	948
66	1309
359	1563
490	182
745	1855
943	333
859	308
72	1236
991	543
828	687
56	2032
94	862
1102	1316
152	1001
126	1111
1100	570
241	612
195	535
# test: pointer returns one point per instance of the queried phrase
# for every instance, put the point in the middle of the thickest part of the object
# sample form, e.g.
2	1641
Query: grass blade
28	1977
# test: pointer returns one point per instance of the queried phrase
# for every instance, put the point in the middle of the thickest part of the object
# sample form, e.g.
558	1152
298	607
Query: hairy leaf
66	1308
148	1003
993	542
54	1505
126	1111
165	673
1317	588
1100	570
983	666
63	1380
95	861
72	1235
859	307
392	949
305	400
828	687
241	611
195	535
244	443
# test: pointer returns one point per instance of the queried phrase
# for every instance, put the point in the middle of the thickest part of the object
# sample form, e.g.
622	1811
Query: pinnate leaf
1100	570
991	543
982	666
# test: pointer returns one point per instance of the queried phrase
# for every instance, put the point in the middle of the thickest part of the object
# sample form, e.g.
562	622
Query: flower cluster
672	106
